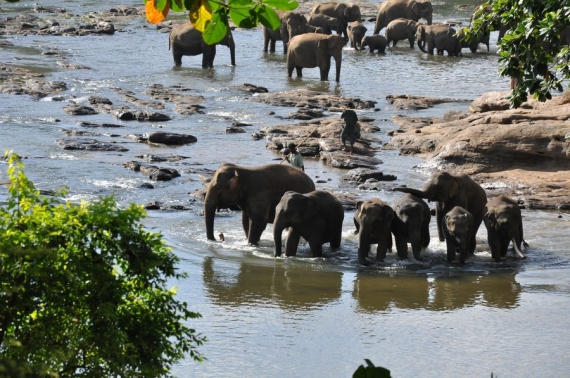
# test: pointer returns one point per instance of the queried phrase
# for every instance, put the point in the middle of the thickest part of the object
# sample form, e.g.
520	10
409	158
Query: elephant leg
450	250
272	46
290	70
462	254
316	247
336	237
402	247
255	230
416	249
299	71
411	40
245	223
494	244
325	68
504	246
292	242
177	59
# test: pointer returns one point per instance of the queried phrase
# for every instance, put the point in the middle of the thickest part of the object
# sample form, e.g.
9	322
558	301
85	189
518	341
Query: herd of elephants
310	42
286	196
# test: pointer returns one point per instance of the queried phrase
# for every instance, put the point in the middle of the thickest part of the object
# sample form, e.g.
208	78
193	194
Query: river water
299	317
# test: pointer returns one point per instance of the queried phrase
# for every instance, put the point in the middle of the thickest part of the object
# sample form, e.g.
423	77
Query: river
299	317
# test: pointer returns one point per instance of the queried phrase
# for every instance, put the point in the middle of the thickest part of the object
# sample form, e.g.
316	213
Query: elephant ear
233	183
359	205
416	8
311	209
322	43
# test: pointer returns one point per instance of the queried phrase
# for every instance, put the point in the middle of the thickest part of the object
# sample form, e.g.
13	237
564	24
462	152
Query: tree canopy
83	289
534	49
212	17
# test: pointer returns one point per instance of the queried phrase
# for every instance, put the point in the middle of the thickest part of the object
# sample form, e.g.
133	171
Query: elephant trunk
364	241
232	46
338	61
429	19
415	192
210	206
278	227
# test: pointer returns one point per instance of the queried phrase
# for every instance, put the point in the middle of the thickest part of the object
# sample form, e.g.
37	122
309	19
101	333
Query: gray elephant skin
316	216
503	220
327	23
356	31
315	50
401	29
411	225
343	12
439	37
186	40
410	9
256	191
448	191
375	42
373	220
459	230
292	24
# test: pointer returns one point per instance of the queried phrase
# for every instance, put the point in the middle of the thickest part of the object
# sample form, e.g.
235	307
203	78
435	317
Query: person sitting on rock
295	157
350	129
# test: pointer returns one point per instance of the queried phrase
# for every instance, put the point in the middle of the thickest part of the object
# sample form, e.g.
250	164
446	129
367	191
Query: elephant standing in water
256	191
373	220
410	9
343	12
186	40
459	229
316	216
450	191
326	23
356	31
411	225
401	29
315	50
375	42
503	220
292	24
439	37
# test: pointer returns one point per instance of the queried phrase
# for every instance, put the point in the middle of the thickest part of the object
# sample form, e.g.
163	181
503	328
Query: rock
151	171
88	144
170	139
362	175
79	110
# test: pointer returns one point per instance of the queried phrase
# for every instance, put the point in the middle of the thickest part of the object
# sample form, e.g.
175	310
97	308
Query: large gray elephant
373	220
343	12
316	216
356	31
503	220
459	229
439	37
401	29
256	191
292	24
186	40
374	42
327	23
411	225
449	191
410	9
315	50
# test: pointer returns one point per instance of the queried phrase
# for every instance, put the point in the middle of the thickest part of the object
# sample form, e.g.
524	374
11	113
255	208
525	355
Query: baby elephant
374	42
373	220
503	220
316	216
411	225
356	31
459	230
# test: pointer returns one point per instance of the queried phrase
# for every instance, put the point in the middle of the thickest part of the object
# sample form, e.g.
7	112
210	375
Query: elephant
473	46
374	42
410	9
440	37
270	37
316	216
315	50
256	191
411	225
356	31
459	229
400	29
186	40
449	191
373	220
343	12
327	23
503	220
292	24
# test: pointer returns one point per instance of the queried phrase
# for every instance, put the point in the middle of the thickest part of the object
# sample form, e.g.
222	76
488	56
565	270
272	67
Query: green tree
531	52
212	16
83	289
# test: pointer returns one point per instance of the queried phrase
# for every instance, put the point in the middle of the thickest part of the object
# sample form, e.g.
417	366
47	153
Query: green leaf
216	30
188	4
268	17
160	5
281	4
244	17
177	5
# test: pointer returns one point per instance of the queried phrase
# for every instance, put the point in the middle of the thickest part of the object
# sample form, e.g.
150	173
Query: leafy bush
83	289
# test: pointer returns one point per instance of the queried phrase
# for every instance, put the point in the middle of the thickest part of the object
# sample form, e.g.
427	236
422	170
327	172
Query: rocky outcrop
523	148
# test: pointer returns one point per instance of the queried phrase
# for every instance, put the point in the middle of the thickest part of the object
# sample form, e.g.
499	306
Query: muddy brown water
299	317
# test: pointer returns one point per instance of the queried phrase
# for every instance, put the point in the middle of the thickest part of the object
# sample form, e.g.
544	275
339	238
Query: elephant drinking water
256	191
